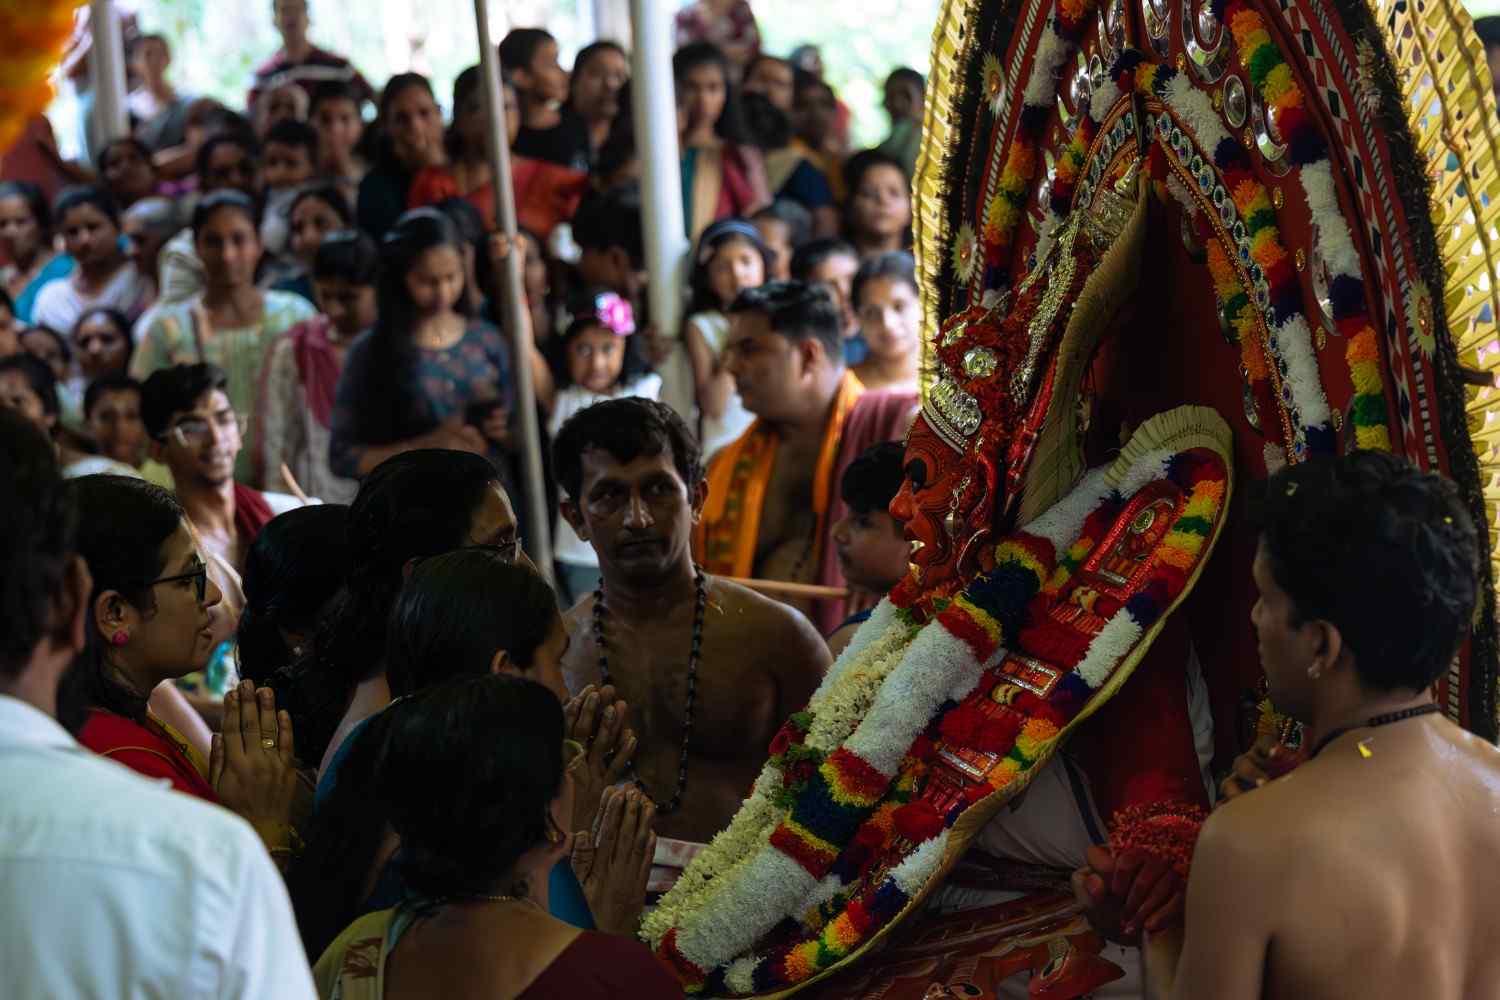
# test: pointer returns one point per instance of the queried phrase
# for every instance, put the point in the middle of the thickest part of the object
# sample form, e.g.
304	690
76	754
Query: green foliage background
217	43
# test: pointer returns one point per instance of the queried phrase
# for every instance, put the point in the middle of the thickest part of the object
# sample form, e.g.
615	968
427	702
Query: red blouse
151	749
604	967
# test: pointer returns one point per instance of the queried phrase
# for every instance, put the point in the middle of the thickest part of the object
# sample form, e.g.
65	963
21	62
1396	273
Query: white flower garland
1290	342
912	874
937	666
1107	648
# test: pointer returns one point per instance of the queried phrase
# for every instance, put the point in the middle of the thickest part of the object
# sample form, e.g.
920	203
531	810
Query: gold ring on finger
269	742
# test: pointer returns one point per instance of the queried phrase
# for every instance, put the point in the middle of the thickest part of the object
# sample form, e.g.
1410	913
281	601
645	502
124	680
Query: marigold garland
35	32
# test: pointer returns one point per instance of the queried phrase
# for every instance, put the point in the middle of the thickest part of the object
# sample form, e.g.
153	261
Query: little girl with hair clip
601	361
731	257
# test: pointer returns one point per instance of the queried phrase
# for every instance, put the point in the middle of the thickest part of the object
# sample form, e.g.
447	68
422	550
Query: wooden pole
514	318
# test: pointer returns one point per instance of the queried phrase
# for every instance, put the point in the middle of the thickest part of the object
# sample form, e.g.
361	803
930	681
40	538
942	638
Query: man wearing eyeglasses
195	432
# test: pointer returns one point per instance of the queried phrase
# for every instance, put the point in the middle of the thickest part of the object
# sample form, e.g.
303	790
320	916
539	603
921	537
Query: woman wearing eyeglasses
301	373
232	323
475	773
149	623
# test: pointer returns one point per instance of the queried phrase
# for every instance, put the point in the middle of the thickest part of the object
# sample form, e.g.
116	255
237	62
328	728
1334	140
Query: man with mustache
772	489
709	668
111	884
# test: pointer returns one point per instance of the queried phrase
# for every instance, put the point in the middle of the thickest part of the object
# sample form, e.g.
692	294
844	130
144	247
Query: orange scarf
724	540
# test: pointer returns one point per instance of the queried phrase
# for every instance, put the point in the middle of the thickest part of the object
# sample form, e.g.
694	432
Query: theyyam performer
1167	247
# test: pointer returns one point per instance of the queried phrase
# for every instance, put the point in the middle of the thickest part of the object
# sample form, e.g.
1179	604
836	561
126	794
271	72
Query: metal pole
516	322
655	105
107	61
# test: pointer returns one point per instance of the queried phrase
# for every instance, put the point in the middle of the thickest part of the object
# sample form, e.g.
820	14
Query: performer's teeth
916	546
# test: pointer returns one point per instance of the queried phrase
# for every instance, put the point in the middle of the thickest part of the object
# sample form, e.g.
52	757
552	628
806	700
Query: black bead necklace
1374	722
700	602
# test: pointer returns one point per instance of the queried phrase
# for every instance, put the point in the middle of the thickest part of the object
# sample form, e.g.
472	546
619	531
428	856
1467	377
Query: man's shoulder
126	819
759	619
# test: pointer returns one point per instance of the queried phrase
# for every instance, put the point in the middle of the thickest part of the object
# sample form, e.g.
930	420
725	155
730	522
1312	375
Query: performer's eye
916	471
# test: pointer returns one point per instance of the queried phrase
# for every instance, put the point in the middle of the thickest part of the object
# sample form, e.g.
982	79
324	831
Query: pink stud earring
120	638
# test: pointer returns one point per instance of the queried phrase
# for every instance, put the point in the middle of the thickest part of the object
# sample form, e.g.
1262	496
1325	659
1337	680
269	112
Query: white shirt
60	303
113	886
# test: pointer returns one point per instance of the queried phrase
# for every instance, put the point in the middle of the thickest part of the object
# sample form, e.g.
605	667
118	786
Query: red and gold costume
1165	246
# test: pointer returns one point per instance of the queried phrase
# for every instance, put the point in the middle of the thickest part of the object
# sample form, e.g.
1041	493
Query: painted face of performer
933	473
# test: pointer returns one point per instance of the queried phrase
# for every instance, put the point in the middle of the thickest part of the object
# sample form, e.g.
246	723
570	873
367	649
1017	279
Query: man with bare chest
1367	871
709	669
770	490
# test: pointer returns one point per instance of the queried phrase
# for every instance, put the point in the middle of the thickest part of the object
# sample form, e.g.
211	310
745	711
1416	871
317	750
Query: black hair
172	390
586	55
57	338
35	201
518	47
618	147
1488	30
123	522
226	199
770	127
896	264
290	132
470	223
37	539
333	90
328	194
731	123
855	169
810	256
612	219
717	236
128	140
86	194
456	611
38	376
292	572
7	303
796	311
414	505
464	87
873	479
1380	550
905	74
792	214
626	429
803	81
383	384
400	84
117	319
347	255
466	805
113	382
240	138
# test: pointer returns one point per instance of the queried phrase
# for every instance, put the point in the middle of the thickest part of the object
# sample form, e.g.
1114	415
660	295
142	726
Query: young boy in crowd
289	160
784	226
833	263
112	416
335	115
873	550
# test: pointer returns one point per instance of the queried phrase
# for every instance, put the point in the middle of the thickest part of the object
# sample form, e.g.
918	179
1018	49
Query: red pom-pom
917	821
785	737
